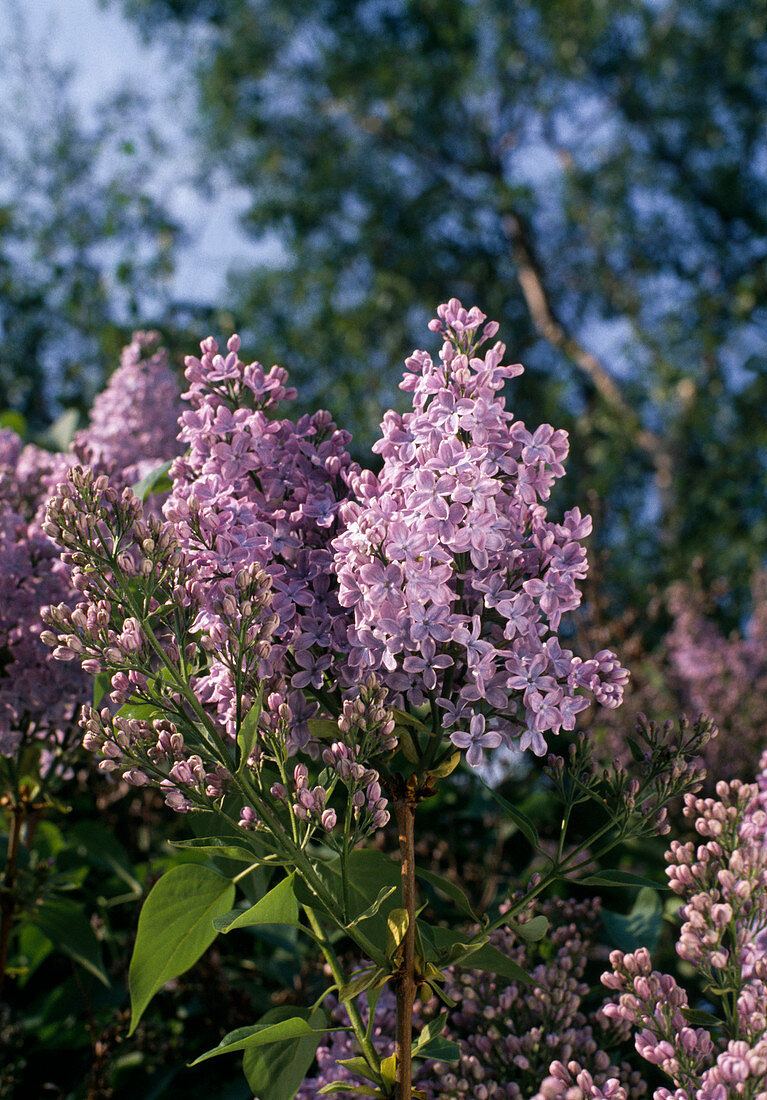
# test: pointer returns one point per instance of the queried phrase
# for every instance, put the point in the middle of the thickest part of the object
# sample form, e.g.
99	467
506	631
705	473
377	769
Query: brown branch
8	896
404	809
550	328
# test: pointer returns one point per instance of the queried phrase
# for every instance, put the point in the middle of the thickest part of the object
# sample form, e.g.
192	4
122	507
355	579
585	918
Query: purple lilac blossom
132	429
454	575
252	489
133	424
724	676
39	698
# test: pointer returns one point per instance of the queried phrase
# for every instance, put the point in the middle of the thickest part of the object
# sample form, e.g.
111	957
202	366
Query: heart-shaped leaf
174	929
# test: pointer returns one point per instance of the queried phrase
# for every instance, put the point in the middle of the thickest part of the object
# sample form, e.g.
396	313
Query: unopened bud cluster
723	881
665	766
515	1039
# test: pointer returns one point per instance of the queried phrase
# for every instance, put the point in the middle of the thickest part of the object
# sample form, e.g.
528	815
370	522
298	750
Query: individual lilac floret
476	739
454	574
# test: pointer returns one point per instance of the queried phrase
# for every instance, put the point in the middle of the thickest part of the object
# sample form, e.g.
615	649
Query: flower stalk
404	810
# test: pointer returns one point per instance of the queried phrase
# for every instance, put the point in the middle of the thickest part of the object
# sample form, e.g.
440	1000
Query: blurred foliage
85	248
399	152
83	872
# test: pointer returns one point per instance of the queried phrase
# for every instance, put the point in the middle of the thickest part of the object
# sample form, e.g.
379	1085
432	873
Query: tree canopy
592	173
85	247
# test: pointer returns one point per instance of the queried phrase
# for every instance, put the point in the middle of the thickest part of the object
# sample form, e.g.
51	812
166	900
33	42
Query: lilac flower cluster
255	489
132	426
173	656
456	577
512	1038
723	881
134	421
154	645
38	698
451	581
725	677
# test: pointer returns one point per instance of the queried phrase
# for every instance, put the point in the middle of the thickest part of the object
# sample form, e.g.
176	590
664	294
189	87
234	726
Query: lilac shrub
300	647
723	883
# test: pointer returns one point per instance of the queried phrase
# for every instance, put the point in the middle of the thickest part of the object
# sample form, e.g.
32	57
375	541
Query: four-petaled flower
476	739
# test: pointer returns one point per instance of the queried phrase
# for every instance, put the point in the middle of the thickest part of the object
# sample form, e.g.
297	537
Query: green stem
360	1030
314	882
8	897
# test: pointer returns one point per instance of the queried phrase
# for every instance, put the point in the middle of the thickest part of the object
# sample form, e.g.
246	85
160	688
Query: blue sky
105	54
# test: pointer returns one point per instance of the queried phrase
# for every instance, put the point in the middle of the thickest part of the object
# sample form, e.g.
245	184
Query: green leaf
397	924
520	819
440	1050
636	751
217	846
102	684
492	960
248	732
446	766
261	1034
371	978
279	906
620	878
384	893
698	1017
461	949
449	889
278	1071
532	930
61	432
369	872
389	1069
344	1086
104	850
149	482
174	929
639	928
145	712
430	1031
34	949
324	729
408	746
64	923
403	718
14	420
360	1067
